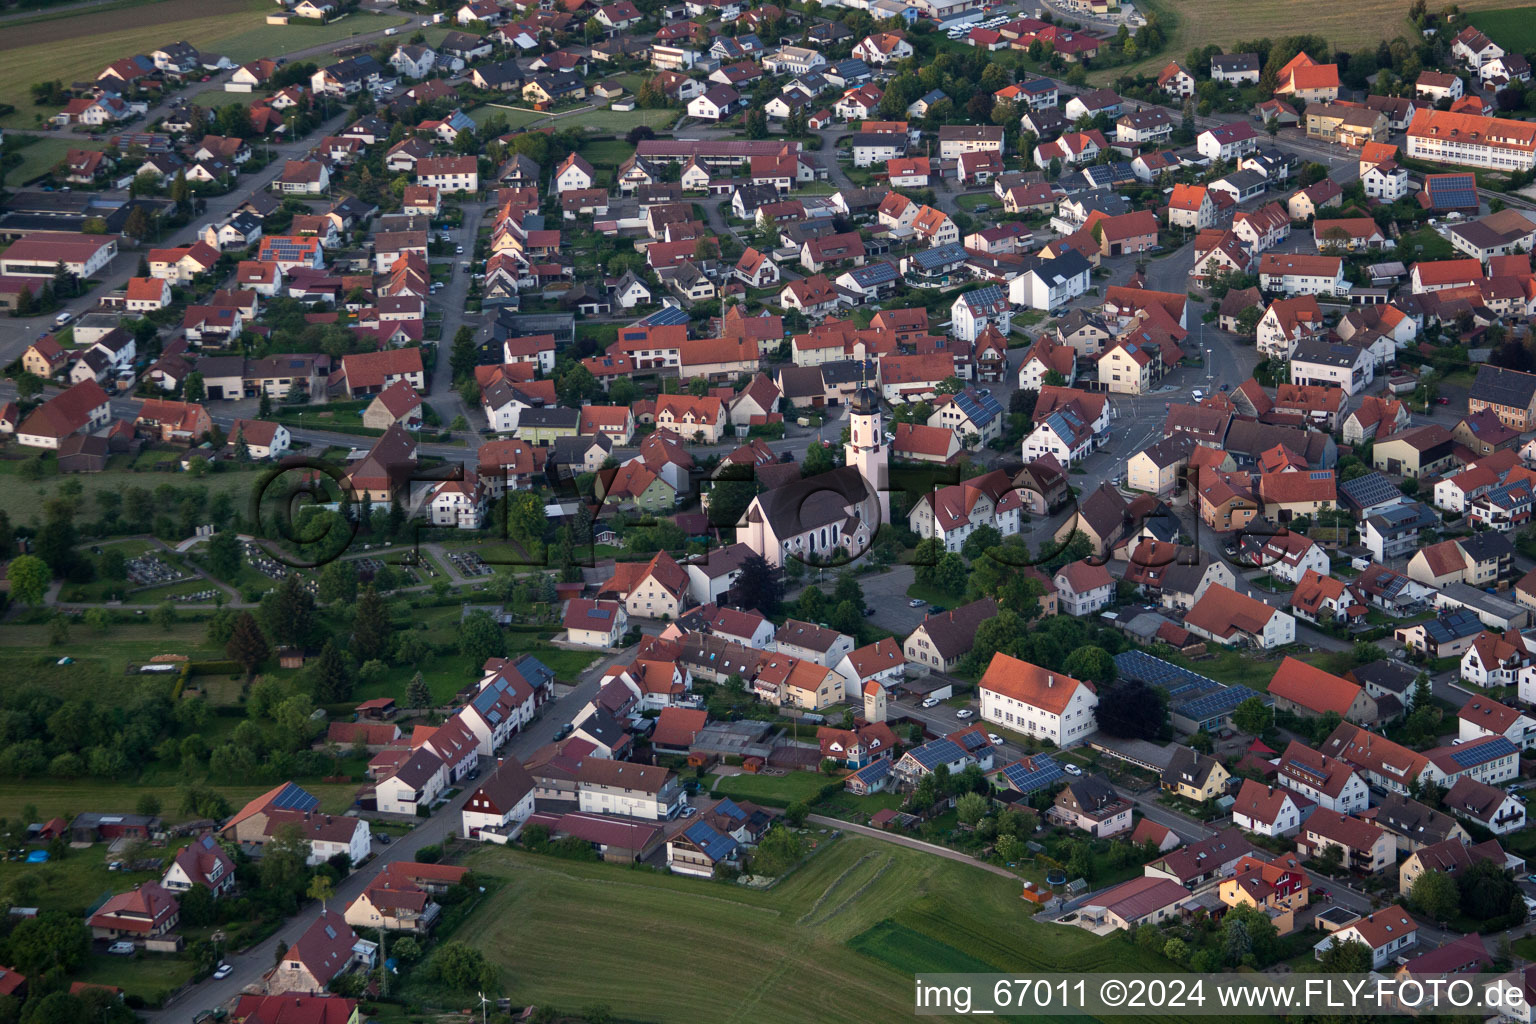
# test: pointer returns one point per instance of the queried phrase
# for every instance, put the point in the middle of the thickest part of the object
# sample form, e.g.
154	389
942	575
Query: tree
417	695
1080	861
756	123
192	389
1488	890
338	582
247	645
1351	957
981	540
53	939
1248	321
288	612
951	575
971	807
778	851
464	967
370	626
1131	709
224	555
818	459
759	586
1435	895
333	676
1091	663
481	638
29	577
1251	716
164	615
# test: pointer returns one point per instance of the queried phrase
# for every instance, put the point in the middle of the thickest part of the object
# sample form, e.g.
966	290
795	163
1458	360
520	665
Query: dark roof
1498	386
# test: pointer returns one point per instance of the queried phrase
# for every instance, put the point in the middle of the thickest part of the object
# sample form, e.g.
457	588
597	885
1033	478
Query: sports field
77	48
836	941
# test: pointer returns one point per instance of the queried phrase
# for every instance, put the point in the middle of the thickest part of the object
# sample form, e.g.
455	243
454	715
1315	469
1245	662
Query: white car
930	702
63	318
224	971
964	713
1197	394
121	949
1071	769
994	739
916	602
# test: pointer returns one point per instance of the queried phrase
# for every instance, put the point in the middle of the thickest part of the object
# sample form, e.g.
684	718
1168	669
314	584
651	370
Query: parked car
63	318
1071	769
121	949
385	838
224	971
930	702
916	602
964	713
565	730
994	739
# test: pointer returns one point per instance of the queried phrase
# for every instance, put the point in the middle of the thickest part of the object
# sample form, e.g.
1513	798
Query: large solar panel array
1478	753
664	317
1203	697
1371	489
1026	777
714	845
1452	191
936	752
292	798
289	248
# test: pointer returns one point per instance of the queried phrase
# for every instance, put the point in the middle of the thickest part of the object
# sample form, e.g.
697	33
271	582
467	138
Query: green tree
338	582
951	575
981	540
333	676
1251	716
464	355
1351	957
481	638
193	389
464	967
1091	663
778	851
29	577
417	695
53	939
370	626
1435	895
971	807
164	615
288	612
224	554
247	645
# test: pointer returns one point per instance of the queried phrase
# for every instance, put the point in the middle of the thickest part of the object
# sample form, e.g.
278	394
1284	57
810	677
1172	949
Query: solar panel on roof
1466	757
1026	778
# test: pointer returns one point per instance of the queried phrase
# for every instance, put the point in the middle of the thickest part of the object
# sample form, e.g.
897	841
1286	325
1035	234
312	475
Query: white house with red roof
201	862
83	407
881	662
1037	702
1481	717
1083	587
497	810
1269	810
1385	933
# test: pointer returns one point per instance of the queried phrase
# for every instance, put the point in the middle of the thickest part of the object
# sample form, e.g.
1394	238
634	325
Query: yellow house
794	682
1156	468
1195	776
1280	888
634	483
544	426
1127	369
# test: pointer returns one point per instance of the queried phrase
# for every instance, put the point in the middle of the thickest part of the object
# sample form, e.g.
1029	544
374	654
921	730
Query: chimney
1050	681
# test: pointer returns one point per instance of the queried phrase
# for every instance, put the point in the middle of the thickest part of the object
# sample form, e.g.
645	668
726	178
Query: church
811	518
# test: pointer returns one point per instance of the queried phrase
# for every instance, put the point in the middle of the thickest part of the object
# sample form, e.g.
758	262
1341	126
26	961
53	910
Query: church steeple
866	449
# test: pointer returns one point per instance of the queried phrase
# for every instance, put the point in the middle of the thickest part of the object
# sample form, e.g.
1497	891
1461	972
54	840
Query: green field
782	790
1194	23
1511	27
516	118
23	500
40	52
41	156
150	976
836	940
69	798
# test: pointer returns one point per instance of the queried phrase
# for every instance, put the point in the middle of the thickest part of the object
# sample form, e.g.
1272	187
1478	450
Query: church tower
866	449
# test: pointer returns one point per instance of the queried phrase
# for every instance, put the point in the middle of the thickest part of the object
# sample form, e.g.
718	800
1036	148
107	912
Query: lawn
849	926
23	500
42	155
781	790
516	118
150	976
1426	244
78	880
235	28
100	659
617	122
1513	27
65	799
